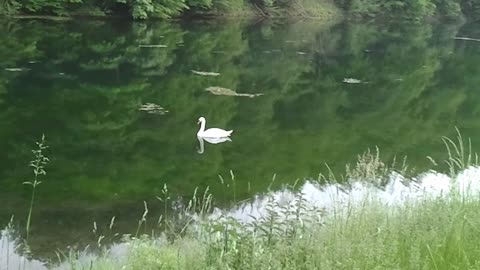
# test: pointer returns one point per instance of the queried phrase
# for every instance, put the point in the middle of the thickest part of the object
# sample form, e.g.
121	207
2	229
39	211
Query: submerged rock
351	80
220	91
467	38
205	73
152	46
152	108
16	69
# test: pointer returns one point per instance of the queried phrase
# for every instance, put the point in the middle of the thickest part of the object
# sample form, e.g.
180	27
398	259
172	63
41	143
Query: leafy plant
38	165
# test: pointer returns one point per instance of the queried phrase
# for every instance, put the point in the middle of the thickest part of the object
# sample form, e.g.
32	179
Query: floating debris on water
33	62
301	53
16	69
153	46
205	73
152	108
220	91
351	80
467	38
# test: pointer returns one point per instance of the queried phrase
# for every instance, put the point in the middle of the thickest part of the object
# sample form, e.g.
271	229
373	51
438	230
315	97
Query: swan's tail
229	132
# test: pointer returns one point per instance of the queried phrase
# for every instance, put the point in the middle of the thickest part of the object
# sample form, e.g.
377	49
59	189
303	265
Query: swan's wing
216	133
215	130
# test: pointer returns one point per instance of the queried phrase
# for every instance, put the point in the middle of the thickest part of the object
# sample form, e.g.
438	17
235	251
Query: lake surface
329	93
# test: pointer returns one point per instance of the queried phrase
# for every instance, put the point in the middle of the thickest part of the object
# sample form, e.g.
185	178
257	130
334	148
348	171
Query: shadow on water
82	84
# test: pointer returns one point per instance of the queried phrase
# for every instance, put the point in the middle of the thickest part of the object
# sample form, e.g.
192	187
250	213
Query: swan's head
201	120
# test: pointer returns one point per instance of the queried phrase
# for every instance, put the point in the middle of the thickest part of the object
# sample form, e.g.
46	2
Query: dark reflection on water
82	83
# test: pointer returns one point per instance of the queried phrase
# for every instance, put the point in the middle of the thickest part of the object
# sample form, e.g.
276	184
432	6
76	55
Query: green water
82	83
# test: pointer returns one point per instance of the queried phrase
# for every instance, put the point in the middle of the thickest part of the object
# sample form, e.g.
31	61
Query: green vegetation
38	165
431	233
143	9
326	9
411	10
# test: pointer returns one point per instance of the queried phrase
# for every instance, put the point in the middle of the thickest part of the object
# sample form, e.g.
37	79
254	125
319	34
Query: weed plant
38	165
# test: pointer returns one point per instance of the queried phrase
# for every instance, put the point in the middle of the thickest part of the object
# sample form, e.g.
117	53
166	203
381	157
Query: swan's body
211	132
214	133
217	140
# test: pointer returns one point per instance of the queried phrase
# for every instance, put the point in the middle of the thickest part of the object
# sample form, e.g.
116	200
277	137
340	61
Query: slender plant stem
29	218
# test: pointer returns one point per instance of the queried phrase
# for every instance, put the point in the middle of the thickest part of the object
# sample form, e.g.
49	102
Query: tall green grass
460	155
431	233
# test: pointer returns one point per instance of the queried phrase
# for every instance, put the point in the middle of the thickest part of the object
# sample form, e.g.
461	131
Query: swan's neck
202	127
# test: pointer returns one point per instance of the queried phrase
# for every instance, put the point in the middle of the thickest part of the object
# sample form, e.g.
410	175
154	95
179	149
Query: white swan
211	132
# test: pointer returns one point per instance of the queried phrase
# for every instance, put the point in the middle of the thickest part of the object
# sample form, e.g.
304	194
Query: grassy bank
431	233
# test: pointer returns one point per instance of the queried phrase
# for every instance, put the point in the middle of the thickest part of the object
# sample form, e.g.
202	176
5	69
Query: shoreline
325	13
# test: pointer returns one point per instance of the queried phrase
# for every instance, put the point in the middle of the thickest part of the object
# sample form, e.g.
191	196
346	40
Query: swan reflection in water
212	141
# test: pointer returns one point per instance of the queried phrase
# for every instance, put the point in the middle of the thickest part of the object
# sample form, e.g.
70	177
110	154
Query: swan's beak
198	122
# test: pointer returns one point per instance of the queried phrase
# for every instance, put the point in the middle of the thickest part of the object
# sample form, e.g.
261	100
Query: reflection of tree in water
400	68
95	112
105	152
